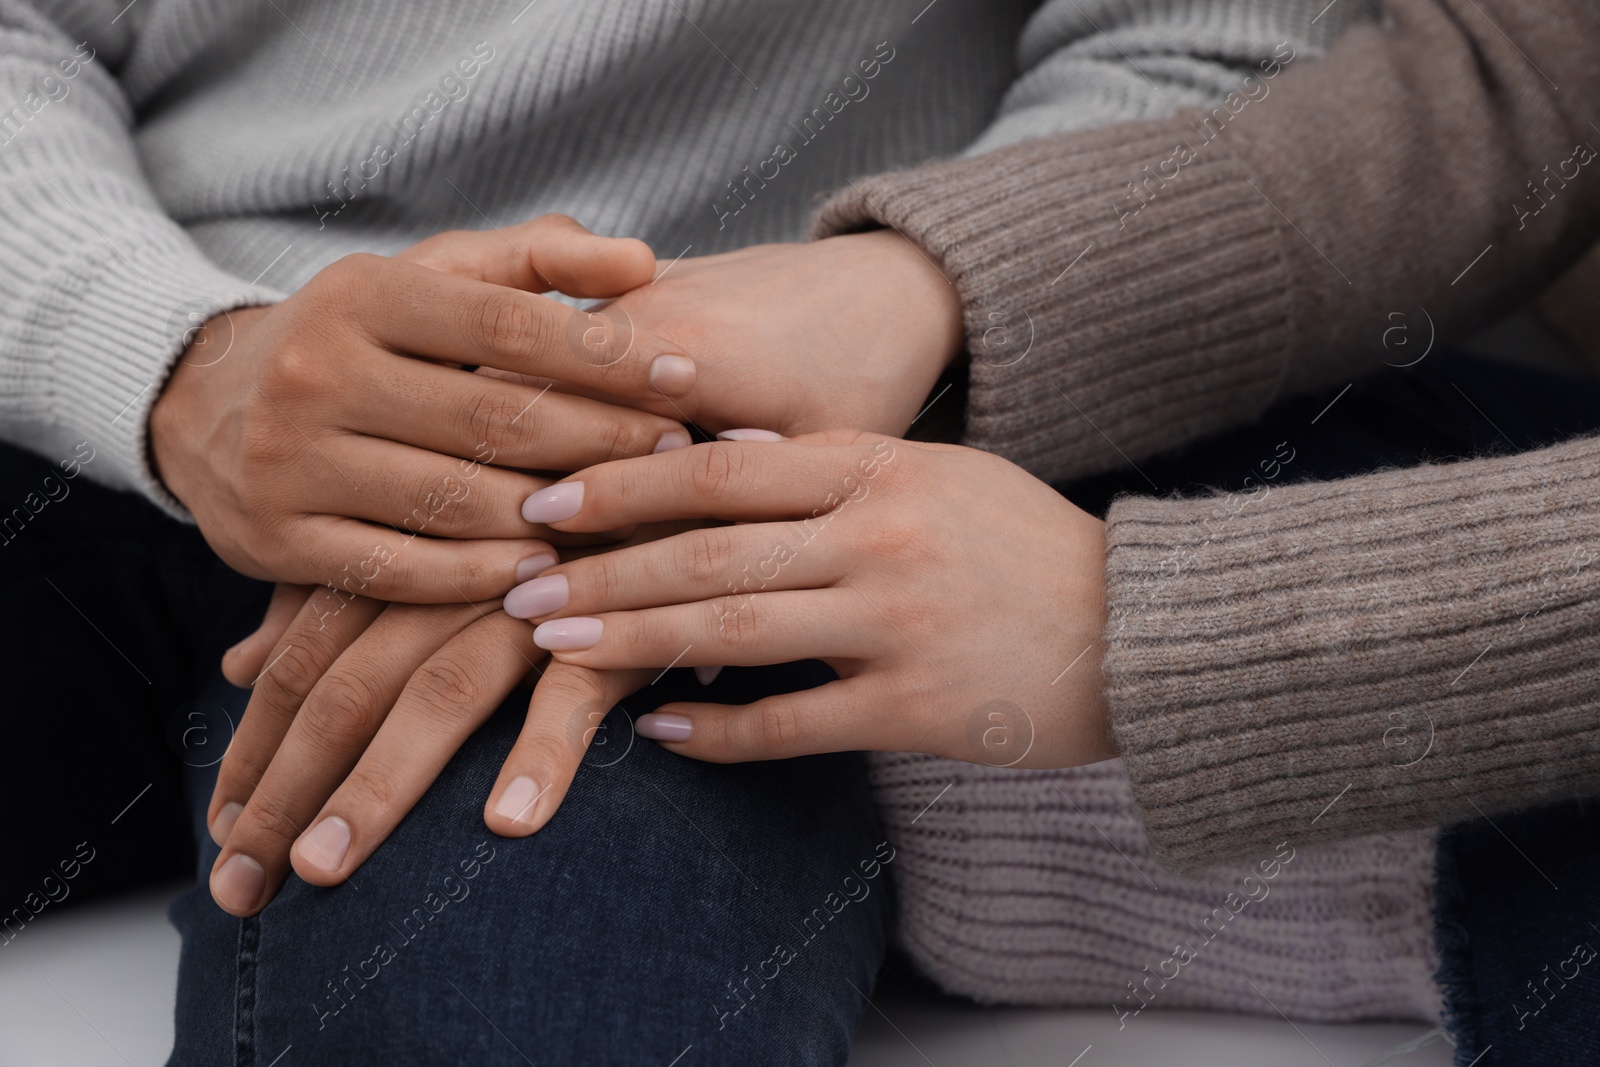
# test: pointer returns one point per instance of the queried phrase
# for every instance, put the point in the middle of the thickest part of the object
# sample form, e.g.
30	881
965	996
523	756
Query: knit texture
1261	249
1039	887
1413	647
1071	375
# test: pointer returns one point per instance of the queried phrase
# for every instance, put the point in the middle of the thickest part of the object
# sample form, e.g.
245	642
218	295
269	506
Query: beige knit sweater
1269	665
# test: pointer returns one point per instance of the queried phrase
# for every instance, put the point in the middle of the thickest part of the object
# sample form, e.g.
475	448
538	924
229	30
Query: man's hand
314	439
849	331
353	718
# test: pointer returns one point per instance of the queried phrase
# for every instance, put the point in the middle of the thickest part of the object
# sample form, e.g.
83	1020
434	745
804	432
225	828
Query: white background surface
93	986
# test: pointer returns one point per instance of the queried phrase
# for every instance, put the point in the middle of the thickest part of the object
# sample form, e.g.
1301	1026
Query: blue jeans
725	914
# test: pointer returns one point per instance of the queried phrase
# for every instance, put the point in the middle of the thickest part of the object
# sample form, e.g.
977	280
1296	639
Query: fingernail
238	884
749	435
664	726
533	566
672	375
538	597
518	801
325	844
670	440
222	825
707	675
554	503
567	635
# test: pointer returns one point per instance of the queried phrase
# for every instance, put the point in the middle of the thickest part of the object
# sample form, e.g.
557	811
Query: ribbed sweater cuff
1038	887
1407	648
108	338
1097	331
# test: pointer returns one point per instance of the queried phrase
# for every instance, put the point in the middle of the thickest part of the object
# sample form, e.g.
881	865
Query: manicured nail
670	440
707	675
672	375
238	884
518	801
554	503
749	435
664	726
325	844
567	635
222	825
538	597
533	566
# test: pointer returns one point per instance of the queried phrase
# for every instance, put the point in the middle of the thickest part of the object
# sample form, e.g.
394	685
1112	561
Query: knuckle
606	580
241	771
372	787
275	693
777	727
342	711
265	820
439	496
622	437
491	419
290	677
713	476
708	556
505	322
549	754
475	577
736	619
447	504
580	698
294	370
574	687
448	686
638	637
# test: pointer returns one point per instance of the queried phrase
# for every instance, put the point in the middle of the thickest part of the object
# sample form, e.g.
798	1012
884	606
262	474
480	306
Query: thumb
242	664
545	253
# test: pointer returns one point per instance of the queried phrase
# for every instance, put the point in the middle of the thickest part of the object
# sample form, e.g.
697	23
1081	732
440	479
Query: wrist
901	274
1080	728
179	413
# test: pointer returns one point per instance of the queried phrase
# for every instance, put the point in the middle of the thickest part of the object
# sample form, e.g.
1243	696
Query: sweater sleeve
1129	288
99	288
1407	648
1391	650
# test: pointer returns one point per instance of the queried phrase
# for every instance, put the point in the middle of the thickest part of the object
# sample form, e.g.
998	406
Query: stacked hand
949	636
316	439
858	550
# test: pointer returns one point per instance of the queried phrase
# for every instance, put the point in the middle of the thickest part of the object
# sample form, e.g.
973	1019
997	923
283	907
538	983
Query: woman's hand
358	707
848	331
960	600
314	439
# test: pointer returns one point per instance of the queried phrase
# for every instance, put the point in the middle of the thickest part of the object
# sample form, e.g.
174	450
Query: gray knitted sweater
163	161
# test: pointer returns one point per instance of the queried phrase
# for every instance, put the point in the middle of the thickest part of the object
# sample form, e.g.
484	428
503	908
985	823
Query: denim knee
740	912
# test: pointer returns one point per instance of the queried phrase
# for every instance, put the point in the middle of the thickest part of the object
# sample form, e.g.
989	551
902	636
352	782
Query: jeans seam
244	994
